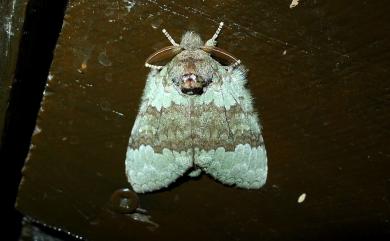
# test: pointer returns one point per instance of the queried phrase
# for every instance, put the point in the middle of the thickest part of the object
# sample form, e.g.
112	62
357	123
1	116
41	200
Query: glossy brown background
319	76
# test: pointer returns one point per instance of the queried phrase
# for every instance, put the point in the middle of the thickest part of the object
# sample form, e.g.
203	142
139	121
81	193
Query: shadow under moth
195	116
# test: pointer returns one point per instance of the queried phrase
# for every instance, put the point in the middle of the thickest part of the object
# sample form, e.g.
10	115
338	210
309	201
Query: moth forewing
196	115
154	159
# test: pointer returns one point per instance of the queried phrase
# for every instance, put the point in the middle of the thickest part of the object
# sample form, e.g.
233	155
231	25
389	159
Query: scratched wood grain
319	74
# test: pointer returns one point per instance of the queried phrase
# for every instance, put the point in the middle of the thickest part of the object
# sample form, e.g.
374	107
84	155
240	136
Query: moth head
190	72
190	65
191	84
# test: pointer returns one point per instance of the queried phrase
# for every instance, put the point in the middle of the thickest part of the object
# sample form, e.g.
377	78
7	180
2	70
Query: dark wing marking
168	128
249	115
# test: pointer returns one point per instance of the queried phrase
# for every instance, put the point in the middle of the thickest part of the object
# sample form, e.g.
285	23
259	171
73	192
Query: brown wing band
220	54
163	54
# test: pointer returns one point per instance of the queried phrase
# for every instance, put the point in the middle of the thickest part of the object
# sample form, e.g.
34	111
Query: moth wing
244	167
231	145
154	157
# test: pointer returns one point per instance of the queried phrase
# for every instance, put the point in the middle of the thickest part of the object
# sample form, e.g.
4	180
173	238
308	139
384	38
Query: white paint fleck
294	3
37	130
284	52
302	198
8	27
129	4
156	23
47	93
118	113
140	217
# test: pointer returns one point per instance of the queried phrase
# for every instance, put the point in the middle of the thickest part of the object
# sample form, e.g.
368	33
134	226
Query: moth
195	116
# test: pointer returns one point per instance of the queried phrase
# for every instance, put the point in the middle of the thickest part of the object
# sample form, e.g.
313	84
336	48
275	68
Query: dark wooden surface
319	75
11	22
28	34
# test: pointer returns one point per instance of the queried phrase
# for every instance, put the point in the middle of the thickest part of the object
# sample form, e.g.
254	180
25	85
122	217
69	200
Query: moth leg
212	41
165	32
229	68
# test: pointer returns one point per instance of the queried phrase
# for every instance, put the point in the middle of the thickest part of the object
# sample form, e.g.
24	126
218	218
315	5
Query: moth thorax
191	40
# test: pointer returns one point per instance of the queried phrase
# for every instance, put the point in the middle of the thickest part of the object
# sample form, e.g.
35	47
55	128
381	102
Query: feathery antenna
212	41
165	32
